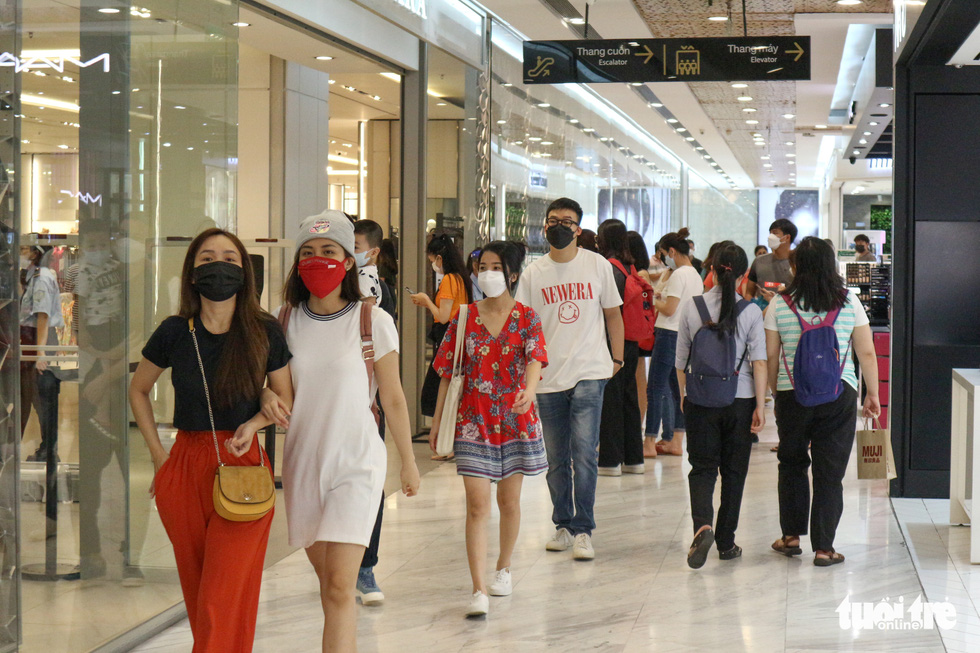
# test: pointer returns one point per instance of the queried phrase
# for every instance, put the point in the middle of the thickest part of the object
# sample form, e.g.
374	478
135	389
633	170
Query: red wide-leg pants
219	561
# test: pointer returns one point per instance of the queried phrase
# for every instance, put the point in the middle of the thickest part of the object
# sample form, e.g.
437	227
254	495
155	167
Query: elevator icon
688	61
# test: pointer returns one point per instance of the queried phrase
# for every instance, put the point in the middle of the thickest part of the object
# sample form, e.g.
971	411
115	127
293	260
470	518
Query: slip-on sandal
698	552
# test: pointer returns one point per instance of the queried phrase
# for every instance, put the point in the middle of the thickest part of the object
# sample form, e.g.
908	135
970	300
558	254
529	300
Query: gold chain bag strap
241	493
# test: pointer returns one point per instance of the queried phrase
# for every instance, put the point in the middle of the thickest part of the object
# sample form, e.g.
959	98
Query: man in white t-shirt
574	292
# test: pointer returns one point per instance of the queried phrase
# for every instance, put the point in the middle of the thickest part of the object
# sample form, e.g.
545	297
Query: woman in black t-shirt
219	561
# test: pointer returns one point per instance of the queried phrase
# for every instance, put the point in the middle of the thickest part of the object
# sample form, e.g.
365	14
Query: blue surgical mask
670	262
362	259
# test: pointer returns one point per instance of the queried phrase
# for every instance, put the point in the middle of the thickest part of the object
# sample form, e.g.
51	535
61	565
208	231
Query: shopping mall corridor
638	594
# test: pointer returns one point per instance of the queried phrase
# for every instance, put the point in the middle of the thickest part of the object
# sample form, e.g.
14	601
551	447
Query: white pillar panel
306	141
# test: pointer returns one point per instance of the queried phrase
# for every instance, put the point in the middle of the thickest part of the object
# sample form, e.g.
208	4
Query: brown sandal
827	559
782	546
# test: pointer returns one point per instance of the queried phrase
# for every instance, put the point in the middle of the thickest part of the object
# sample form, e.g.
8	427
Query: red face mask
321	275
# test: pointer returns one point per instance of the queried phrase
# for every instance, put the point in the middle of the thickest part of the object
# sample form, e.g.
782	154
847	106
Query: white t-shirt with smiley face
569	298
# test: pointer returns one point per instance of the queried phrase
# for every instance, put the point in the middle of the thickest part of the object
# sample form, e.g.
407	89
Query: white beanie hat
333	225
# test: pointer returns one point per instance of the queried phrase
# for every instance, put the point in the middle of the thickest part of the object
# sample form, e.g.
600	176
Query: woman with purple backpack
721	372
810	330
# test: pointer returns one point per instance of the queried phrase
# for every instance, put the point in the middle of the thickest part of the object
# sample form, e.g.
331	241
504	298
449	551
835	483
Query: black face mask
218	280
560	236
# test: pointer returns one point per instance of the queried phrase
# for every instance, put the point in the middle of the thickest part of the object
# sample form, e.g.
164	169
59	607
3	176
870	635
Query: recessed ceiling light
179	106
873	124
673	121
751	122
681	130
749	110
744	98
543	105
689	138
792	163
821	126
241	24
575	20
790	155
440	104
63	147
867	133
115	92
884	105
501	122
765	157
535	139
656	105
718	19
588	130
856	152
790	143
573	121
740	85
636	83
760	143
107	10
190	149
849	3
789	116
766	165
324	57
166	144
547	143
699	149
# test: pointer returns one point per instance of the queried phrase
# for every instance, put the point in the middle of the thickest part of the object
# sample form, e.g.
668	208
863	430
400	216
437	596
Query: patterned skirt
497	462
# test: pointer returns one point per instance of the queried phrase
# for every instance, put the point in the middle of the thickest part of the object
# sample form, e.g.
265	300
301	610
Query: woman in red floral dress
498	434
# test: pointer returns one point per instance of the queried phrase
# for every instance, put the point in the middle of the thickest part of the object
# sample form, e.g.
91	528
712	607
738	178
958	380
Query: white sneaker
501	585
479	606
582	549
634	469
610	471
561	540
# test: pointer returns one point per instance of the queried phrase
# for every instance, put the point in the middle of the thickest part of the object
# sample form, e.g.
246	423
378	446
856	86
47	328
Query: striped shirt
780	318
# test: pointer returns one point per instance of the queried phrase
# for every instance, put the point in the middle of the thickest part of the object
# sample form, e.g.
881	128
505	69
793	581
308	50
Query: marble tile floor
941	555
638	595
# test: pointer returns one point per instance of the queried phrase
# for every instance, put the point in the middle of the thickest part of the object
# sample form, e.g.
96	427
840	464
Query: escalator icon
542	68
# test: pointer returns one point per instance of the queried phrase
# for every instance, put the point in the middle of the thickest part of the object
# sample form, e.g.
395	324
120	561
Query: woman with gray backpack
721	371
810	330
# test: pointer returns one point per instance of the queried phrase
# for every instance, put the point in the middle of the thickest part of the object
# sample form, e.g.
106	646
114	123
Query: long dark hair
388	261
452	261
677	241
511	257
816	284
729	263
706	264
295	291
638	250
245	353
613	241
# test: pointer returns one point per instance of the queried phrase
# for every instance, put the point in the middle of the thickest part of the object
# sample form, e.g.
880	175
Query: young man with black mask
862	245
574	292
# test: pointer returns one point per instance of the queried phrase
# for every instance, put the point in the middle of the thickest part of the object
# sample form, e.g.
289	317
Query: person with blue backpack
810	331
722	376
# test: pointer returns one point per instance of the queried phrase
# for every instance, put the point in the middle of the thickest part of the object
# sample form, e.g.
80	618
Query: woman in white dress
335	461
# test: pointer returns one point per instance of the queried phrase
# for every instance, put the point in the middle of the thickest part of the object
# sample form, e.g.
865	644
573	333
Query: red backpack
639	315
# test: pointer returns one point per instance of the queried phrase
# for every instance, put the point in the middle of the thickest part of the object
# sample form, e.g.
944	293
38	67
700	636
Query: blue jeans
570	421
663	393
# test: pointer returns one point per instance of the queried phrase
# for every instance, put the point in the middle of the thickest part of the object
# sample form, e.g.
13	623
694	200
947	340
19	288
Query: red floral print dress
491	441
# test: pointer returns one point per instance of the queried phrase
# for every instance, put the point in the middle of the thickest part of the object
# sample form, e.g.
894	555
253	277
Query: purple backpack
818	366
711	368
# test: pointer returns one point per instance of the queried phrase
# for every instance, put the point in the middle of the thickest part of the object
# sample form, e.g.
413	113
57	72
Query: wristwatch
620	363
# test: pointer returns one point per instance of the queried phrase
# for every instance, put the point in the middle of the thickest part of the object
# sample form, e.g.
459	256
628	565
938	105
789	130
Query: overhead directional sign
751	58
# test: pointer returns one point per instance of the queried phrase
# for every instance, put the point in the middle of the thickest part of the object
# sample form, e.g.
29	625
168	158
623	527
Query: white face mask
774	242
362	258
492	283
24	262
436	268
671	263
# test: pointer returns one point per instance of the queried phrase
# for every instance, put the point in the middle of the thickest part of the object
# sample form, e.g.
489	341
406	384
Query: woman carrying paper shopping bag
498	434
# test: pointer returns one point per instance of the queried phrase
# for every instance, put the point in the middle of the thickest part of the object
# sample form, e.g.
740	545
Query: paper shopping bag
874	449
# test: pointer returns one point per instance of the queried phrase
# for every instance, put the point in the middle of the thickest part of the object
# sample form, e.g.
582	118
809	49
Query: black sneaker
755	438
731	554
